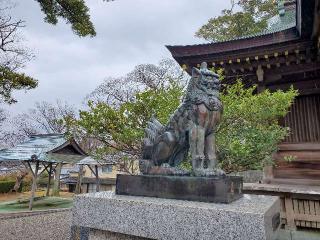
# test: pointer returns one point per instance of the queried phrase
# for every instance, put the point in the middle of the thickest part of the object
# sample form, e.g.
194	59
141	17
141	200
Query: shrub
26	183
6	186
249	132
43	180
8	177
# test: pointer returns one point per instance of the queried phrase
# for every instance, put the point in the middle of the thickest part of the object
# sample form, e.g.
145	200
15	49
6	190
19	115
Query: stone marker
110	216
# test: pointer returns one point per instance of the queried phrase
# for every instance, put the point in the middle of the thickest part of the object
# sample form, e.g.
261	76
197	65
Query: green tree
13	56
122	128
74	12
11	80
242	19
118	110
247	137
249	132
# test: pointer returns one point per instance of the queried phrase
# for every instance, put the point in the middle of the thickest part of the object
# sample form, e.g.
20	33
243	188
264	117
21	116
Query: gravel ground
40	225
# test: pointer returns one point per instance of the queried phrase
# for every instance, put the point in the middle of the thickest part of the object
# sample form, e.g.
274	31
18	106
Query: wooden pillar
79	182
291	225
260	75
267	174
97	179
56	184
49	180
34	183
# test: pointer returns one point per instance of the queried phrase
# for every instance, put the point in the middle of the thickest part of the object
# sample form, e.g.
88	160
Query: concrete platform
110	216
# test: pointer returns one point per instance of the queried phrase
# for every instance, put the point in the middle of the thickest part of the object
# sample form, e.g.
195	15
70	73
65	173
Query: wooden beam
289	213
93	171
34	184
97	179
45	168
79	180
49	180
303	217
294	68
56	184
244	54
30	168
260	73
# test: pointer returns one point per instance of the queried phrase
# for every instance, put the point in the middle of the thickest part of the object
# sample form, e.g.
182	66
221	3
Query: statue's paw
165	165
145	166
209	172
219	172
199	172
181	172
167	170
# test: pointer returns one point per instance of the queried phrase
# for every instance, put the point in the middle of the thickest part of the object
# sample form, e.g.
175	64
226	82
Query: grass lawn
40	203
6	197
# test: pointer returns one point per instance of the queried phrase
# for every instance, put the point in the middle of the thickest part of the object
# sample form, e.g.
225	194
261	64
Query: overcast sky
129	32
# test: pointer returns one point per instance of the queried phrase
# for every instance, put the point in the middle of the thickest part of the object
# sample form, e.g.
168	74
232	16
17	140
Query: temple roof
247	42
285	27
43	147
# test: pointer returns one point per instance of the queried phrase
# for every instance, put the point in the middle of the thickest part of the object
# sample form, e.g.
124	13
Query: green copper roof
40	147
279	23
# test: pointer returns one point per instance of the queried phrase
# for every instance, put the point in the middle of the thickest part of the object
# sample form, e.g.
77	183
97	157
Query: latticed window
107	169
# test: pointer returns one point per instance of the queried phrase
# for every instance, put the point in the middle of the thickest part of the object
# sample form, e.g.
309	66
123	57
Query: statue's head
206	78
204	72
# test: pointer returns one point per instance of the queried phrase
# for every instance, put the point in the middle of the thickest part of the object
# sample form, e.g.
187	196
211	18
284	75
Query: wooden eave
71	143
282	50
233	45
274	54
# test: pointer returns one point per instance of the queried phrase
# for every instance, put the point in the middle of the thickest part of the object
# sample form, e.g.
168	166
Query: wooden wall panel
304	162
304	120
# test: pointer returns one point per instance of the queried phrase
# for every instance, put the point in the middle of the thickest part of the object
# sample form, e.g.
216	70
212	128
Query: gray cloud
129	32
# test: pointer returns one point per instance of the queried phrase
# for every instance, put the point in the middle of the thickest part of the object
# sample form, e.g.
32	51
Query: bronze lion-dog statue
190	132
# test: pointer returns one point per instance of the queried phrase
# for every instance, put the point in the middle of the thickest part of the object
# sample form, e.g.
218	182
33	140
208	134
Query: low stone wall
38	225
250	176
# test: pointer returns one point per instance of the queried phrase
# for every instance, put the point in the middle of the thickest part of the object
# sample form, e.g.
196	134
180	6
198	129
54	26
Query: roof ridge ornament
281	8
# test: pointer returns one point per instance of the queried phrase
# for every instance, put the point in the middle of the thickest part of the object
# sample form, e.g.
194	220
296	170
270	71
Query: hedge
6	186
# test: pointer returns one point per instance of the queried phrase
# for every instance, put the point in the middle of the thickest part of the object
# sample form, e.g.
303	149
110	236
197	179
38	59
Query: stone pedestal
110	216
220	189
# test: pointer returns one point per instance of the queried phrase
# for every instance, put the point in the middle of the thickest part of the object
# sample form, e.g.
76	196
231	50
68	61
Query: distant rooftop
42	147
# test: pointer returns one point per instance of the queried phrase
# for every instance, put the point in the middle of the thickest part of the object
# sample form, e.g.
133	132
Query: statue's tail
152	131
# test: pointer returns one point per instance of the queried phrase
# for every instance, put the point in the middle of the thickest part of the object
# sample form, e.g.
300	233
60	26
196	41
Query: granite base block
252	217
103	235
220	189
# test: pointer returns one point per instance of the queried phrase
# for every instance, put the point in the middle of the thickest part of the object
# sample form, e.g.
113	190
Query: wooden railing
296	212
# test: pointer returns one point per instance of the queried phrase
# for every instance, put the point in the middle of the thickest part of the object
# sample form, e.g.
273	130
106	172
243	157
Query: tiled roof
275	24
280	29
109	159
279	23
39	146
86	180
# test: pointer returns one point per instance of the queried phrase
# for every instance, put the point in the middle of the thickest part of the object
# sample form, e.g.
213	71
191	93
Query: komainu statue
190	132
